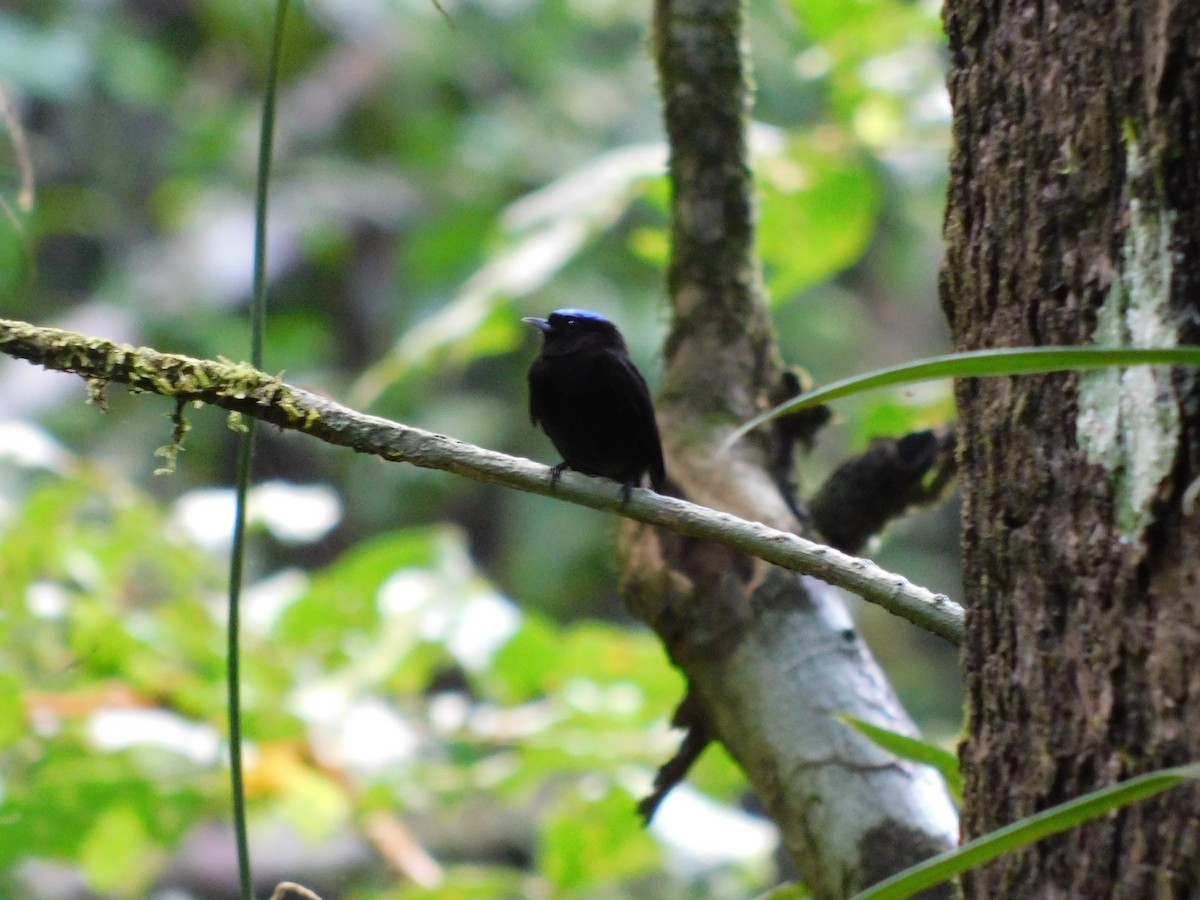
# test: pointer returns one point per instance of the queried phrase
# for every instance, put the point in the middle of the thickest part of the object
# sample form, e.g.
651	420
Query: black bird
592	401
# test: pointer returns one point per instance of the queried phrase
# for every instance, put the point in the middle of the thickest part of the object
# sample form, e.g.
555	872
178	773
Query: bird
588	396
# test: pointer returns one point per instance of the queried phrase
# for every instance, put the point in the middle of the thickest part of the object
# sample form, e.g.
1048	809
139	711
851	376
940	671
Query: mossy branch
241	388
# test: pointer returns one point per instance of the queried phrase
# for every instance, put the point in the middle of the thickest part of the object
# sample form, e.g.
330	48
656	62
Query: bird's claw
626	490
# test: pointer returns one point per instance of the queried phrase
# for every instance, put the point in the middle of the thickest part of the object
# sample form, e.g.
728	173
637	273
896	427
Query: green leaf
881	59
786	892
524	668
840	20
893	414
818	213
343	597
13	722
612	656
55	803
979	364
1027	831
118	856
470	882
315	804
588	841
914	749
718	775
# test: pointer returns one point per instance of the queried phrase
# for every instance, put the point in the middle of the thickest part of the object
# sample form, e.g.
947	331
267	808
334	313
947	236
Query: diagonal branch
240	388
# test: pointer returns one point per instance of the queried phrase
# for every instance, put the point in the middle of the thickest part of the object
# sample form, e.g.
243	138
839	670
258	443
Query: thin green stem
258	304
233	660
258	317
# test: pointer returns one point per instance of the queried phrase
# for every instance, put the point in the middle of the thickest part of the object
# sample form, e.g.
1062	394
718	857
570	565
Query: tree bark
1073	219
770	658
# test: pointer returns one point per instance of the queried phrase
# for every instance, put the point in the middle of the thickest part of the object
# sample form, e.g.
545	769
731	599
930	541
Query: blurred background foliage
443	696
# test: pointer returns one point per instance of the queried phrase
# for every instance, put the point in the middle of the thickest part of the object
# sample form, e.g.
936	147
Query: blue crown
580	314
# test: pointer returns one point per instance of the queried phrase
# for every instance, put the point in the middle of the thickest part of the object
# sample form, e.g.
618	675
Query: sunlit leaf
592	840
718	775
913	411
818	214
13	722
343	597
118	856
525	667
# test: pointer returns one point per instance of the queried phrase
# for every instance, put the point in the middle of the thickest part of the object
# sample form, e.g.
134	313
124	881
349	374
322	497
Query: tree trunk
771	657
1073	219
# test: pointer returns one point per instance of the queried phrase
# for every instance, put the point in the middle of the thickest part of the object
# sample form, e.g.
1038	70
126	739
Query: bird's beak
540	324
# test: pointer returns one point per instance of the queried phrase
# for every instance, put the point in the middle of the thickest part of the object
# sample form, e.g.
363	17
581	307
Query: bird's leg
626	490
556	473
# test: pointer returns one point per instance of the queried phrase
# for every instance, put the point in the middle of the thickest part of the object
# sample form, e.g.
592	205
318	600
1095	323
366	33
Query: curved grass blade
1027	831
978	364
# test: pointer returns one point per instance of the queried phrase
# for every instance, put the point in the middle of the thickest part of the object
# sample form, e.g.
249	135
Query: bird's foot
556	473
626	490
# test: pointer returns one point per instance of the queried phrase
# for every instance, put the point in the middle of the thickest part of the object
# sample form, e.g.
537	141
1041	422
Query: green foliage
62	799
466	883
119	857
878	58
436	177
121	626
821	199
892	415
588	841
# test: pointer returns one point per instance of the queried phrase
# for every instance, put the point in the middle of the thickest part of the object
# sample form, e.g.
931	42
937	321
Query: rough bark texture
770	657
1073	219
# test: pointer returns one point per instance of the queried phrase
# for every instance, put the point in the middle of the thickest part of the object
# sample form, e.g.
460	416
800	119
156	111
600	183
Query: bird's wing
631	396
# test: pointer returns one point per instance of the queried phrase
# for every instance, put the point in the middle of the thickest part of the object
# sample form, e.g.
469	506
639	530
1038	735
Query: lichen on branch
240	388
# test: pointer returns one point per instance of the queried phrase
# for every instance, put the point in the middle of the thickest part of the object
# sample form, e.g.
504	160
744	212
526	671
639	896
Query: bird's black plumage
592	401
